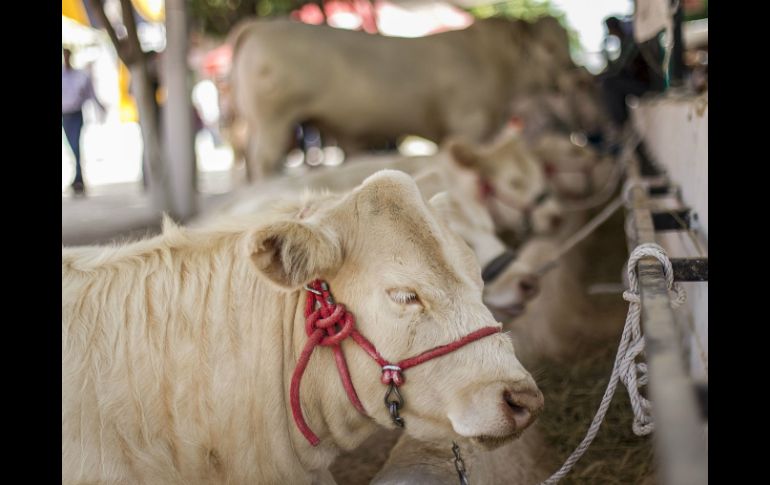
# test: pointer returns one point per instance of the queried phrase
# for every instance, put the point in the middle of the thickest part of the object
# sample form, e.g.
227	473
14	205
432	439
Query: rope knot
392	374
675	290
328	320
631	296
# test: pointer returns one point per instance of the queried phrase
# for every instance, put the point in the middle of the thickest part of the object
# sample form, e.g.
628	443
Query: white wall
675	131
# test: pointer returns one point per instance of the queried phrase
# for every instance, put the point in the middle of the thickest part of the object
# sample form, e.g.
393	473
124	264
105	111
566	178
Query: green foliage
267	8
697	12
520	9
529	10
217	17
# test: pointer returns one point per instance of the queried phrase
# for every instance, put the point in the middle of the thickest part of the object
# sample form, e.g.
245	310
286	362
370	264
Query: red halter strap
327	324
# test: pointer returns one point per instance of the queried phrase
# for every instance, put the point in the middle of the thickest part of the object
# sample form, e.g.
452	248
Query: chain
459	465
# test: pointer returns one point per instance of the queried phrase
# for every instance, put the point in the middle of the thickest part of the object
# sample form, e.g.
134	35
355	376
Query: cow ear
466	155
429	183
442	203
448	210
291	253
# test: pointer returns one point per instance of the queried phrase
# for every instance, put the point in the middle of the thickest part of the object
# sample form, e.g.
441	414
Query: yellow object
75	10
160	95
128	112
152	10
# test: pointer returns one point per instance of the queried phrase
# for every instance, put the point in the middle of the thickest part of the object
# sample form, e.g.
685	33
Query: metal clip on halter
394	404
325	287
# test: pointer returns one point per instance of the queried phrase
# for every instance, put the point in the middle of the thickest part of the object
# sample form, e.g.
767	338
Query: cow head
581	97
508	282
551	37
413	284
511	183
573	105
574	169
532	54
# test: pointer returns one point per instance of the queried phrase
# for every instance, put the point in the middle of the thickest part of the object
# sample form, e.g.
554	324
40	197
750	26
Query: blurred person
629	74
76	89
205	99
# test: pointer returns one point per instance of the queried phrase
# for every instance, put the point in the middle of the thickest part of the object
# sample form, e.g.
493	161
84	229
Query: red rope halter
327	324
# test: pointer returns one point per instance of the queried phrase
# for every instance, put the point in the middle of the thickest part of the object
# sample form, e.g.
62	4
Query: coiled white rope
626	370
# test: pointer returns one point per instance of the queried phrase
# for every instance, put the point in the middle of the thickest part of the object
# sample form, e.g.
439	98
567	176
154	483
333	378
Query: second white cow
357	86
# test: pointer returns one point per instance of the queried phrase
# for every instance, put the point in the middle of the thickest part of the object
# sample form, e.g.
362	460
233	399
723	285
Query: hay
572	395
573	390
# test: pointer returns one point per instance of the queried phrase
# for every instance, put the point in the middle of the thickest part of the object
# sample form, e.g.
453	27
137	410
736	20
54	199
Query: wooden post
178	119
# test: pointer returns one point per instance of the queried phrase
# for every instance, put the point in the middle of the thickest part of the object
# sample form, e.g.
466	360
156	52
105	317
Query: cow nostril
517	409
529	286
523	407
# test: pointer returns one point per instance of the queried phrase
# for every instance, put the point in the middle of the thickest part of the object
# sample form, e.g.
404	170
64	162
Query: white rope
669	40
626	370
631	235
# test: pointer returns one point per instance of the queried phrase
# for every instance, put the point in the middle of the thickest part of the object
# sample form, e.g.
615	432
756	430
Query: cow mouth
510	311
492	442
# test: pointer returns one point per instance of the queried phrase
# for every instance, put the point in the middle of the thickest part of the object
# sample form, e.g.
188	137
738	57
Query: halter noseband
493	268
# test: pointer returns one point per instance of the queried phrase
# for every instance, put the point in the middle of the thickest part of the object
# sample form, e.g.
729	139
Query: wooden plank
679	439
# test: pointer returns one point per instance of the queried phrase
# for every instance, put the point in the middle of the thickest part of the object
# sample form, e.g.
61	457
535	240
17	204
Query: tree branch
128	20
99	11
128	51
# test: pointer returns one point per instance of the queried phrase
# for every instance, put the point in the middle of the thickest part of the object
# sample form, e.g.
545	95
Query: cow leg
239	165
253	166
268	147
350	145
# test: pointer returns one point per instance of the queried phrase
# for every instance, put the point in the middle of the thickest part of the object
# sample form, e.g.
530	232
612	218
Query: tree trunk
130	52
178	116
147	107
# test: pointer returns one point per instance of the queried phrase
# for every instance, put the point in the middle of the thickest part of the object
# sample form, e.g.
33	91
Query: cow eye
403	296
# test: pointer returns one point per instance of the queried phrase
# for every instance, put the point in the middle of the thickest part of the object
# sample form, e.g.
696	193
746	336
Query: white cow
178	351
356	86
576	105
